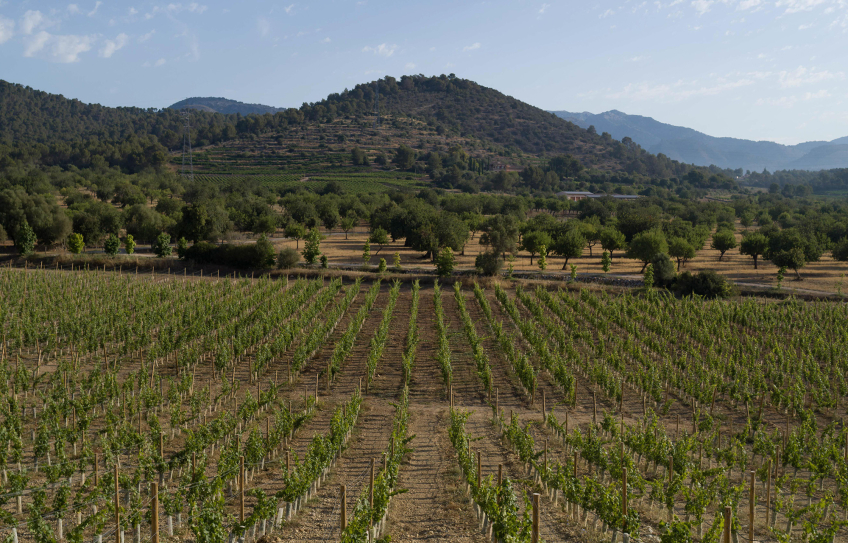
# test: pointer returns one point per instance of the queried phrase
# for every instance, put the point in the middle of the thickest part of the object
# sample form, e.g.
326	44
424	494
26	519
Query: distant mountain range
223	105
693	147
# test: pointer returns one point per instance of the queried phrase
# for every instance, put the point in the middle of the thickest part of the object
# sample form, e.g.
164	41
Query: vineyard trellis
176	381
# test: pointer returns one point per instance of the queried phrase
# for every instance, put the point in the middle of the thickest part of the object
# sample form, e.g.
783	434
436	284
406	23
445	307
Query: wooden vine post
726	524
343	499
241	491
594	408
479	468
752	503
117	509
154	508
544	409
624	501
768	492
535	536
371	487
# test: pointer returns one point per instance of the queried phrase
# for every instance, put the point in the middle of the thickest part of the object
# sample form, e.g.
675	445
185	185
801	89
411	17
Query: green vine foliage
385	481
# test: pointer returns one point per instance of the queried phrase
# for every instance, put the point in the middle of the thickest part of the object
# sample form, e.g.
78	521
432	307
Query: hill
690	146
504	130
225	106
465	108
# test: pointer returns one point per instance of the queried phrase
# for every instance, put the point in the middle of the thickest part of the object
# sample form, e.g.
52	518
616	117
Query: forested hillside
223	105
446	103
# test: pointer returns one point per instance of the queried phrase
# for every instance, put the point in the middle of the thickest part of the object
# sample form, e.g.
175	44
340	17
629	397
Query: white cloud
97	5
110	46
263	26
383	49
432	49
159	62
31	21
606	14
289	8
749	4
702	6
544	8
73	9
676	92
7	29
193	7
803	76
65	49
816	95
639	58
473	47
144	37
794	6
133	11
326	40
410	66
783	101
806	26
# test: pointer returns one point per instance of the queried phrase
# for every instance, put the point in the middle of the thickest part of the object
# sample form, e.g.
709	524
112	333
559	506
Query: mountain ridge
225	106
694	147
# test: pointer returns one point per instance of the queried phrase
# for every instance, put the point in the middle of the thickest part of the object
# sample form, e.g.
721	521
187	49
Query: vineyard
163	407
353	183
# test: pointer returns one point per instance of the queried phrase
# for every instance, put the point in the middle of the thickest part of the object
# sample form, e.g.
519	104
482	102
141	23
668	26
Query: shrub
111	245
288	258
252	255
129	244
76	243
312	247
182	245
488	263
25	240
162	245
381	268
664	271
706	283
445	262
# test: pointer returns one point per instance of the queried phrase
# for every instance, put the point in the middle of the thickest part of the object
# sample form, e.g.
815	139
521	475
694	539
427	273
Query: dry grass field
823	276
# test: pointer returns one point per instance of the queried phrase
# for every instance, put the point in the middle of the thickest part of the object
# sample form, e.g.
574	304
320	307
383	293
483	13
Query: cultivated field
249	402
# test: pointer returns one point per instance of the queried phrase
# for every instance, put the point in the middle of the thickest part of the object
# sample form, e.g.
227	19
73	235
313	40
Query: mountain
223	105
468	109
690	146
443	107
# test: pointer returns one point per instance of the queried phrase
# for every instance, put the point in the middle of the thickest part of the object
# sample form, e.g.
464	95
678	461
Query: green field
350	182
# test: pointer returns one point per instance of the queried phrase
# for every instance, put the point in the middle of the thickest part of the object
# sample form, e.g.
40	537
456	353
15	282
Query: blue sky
756	69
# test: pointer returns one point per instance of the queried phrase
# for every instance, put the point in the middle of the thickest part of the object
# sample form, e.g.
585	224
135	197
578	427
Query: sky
755	69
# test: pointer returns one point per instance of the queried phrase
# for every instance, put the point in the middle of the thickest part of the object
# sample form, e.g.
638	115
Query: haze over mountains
693	147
